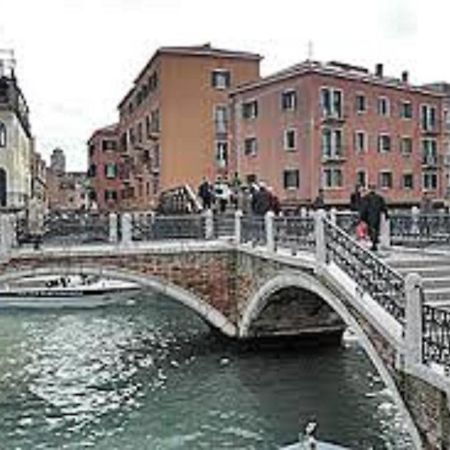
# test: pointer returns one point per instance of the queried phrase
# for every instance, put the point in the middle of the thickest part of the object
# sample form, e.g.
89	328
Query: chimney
405	76
379	70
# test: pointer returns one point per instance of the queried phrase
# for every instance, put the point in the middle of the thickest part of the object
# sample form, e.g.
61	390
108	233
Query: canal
149	375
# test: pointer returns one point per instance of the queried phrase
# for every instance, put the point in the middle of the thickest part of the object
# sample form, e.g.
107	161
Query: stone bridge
278	277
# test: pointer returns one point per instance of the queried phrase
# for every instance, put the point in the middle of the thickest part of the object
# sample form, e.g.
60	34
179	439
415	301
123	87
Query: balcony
431	160
332	118
333	157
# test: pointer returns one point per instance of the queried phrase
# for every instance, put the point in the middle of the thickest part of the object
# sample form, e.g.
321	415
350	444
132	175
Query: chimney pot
379	70
405	76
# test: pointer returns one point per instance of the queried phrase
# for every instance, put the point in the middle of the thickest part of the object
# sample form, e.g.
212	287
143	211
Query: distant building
333	125
58	161
39	180
66	191
104	166
15	138
174	122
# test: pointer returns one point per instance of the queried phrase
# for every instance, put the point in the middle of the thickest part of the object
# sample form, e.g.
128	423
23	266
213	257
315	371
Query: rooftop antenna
310	50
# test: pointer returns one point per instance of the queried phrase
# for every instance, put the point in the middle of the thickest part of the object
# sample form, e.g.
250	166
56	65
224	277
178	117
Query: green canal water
150	375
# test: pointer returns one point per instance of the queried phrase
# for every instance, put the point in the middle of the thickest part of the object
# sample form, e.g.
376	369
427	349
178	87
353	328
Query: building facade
105	163
331	126
16	142
39	180
174	122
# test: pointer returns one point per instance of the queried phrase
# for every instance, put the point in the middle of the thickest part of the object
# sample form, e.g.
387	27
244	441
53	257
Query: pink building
334	125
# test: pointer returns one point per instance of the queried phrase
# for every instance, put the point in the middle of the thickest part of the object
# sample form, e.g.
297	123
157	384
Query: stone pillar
413	320
270	231
126	225
415	213
319	230
113	237
238	226
333	215
209	224
385	232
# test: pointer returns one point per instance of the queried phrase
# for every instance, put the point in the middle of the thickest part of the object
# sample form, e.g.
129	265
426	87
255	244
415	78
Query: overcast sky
76	59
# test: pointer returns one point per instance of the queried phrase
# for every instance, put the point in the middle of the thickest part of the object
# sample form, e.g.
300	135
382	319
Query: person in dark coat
319	202
355	199
205	193
261	201
372	206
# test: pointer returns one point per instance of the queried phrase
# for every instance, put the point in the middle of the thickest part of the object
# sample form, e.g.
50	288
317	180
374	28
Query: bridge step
430	271
417	263
436	283
432	295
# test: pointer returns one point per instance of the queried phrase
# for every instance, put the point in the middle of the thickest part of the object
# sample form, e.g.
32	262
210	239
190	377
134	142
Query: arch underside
199	306
300	287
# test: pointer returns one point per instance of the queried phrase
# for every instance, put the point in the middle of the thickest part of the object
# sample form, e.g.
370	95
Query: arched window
2	134
3	187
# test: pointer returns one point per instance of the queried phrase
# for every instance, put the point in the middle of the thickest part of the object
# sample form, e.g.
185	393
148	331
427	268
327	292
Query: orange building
334	125
174	122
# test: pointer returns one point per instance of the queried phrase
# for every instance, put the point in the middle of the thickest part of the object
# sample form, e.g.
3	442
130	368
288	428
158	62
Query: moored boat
63	292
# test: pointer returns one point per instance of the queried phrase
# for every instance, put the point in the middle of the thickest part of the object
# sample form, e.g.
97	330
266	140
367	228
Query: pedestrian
205	193
373	206
274	202
319	201
426	206
355	199
261	200
222	193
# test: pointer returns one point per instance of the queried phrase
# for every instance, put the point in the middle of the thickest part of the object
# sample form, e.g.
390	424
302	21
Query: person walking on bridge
373	206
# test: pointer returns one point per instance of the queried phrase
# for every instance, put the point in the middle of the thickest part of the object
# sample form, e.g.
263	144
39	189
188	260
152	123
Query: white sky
78	58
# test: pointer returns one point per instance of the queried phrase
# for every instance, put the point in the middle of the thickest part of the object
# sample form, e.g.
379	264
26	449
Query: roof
109	129
335	69
194	50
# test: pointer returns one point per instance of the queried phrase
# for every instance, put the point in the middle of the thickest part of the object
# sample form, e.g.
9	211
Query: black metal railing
155	227
295	233
253	230
224	225
436	336
419	229
69	228
373	276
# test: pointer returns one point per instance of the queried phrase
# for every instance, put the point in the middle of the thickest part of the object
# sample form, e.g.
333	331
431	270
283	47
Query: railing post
385	232
319	231
415	212
413	319
238	226
126	229
333	215
270	231
209	224
113	236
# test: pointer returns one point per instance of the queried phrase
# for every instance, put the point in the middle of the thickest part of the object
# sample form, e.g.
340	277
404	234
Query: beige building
15	139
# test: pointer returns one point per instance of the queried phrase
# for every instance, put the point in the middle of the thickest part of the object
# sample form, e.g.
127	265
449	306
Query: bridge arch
208	313
306	282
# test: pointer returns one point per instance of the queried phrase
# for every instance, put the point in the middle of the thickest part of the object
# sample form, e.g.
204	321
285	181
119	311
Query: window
110	170
221	118
360	141
91	148
123	142
289	100
131	136
332	178
406	145
155	181
429	152
250	146
406	111
331	143
156	157
361	106
331	102
2	134
361	178
386	179
108	144
92	171
429	180
147	126
221	79
139	132
384	143
250	109
251	178
153	81
290	140
428	117
222	153
154	122
110	195
291	179
383	106
408	181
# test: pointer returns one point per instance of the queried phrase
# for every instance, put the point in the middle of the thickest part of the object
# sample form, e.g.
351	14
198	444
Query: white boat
65	292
